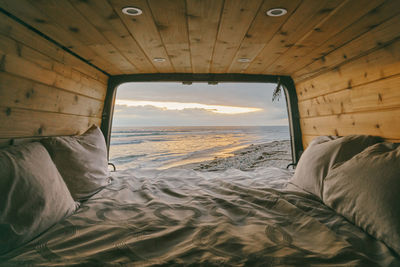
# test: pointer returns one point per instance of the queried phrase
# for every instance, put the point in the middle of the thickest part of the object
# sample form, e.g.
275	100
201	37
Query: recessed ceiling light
132	11
159	59
276	12
243	60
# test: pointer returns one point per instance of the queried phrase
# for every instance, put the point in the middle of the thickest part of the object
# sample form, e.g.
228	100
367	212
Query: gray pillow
82	161
365	190
322	153
33	196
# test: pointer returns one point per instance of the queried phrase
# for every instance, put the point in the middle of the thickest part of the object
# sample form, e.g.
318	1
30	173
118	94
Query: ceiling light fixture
276	12
159	59
243	60
132	11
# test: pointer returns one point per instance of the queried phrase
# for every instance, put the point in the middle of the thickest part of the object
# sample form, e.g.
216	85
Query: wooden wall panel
44	91
358	94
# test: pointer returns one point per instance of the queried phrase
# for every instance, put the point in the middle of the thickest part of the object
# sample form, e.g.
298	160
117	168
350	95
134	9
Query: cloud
164	105
153	116
254	95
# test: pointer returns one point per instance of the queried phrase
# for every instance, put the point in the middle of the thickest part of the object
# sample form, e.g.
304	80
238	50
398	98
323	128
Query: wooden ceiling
203	36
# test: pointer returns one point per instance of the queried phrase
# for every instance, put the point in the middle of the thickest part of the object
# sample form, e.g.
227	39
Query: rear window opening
201	126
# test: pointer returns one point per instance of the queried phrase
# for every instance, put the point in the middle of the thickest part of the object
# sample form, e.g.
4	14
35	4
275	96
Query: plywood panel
379	95
378	37
16	92
377	65
236	19
203	19
16	122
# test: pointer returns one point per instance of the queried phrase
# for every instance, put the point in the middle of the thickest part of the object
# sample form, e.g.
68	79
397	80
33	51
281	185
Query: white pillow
33	196
322	153
82	161
365	190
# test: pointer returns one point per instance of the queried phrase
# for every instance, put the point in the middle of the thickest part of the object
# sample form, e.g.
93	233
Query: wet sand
273	154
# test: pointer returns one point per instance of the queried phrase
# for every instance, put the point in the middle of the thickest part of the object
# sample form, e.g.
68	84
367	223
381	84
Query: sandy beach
272	154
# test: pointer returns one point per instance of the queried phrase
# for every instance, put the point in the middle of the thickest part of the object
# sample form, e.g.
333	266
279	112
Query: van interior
337	63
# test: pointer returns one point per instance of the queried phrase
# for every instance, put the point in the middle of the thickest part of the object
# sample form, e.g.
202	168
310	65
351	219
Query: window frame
286	82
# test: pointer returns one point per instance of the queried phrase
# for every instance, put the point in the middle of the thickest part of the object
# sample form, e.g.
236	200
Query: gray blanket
183	217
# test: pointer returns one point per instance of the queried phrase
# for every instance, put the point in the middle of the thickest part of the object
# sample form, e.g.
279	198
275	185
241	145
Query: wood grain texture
28	123
385	123
17	92
44	92
261	32
379	64
306	16
49	25
368	22
236	19
379	95
204	36
171	21
347	13
144	30
374	39
102	15
203	18
16	31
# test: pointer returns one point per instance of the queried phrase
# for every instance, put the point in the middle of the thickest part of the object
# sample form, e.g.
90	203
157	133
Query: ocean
166	147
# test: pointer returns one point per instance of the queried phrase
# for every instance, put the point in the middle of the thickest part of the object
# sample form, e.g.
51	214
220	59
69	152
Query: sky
198	104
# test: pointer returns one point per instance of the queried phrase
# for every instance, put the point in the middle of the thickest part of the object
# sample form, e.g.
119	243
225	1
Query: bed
181	217
185	217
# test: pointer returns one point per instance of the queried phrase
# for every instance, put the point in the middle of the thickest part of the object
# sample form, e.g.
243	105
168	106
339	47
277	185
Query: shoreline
271	154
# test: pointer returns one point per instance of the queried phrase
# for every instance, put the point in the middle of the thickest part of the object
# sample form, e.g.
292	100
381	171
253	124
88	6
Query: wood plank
16	92
11	47
261	32
372	40
171	21
385	123
379	95
236	19
302	20
102	15
379	64
368	22
45	24
27	123
343	16
308	138
203	19
113	56
68	18
21	34
144	31
24	68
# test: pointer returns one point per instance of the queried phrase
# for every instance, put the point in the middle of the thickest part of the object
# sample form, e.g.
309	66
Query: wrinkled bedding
184	217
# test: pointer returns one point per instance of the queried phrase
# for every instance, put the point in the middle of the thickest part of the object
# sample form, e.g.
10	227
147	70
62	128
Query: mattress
183	217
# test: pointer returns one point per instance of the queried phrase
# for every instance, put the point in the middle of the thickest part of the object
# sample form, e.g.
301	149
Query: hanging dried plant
277	92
